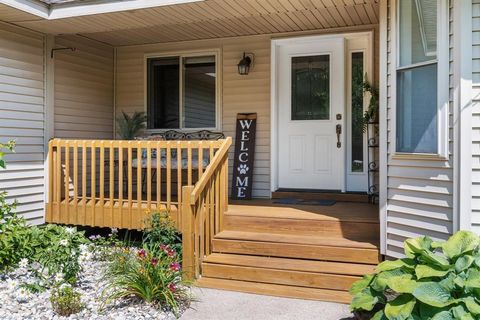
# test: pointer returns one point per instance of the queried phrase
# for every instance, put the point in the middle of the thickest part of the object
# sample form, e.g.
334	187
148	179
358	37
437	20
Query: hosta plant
436	281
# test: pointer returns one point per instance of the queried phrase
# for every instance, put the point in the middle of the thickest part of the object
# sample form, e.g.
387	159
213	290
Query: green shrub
152	278
65	300
436	280
161	231
14	235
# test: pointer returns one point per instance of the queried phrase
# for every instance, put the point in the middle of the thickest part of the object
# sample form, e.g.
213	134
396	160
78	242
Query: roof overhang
85	8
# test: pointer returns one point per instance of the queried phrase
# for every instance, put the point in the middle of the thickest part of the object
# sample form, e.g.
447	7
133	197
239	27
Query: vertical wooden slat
84	181
139	218
169	176
149	175
58	173
120	184
93	181
159	175
179	181
100	219
200	160
189	163
111	180
75	182
66	217
129	184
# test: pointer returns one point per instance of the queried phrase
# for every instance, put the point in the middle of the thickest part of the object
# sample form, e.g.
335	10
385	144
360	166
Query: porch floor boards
298	251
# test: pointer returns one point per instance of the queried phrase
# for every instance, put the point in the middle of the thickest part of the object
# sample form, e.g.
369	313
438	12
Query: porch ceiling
204	20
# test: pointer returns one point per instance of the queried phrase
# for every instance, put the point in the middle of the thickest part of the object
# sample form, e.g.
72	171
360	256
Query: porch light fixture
245	63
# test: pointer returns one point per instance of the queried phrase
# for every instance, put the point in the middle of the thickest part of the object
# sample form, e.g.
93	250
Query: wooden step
306	195
275	290
327	267
357	230
276	276
281	238
270	245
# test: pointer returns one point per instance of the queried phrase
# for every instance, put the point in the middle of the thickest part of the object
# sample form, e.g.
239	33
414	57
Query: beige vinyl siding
419	192
22	116
475	218
83	89
239	93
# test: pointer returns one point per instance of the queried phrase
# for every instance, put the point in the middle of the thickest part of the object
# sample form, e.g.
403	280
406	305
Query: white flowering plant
58	251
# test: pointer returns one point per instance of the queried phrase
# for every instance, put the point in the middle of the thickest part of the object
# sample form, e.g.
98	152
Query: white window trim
218	86
442	85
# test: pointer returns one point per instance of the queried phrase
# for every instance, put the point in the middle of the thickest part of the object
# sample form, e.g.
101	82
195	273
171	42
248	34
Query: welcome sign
244	153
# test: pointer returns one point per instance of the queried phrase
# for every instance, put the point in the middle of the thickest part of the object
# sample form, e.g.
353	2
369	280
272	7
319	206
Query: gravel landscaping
19	303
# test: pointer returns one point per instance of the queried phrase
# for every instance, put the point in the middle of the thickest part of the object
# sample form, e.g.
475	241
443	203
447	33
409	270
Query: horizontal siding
22	116
476	116
83	89
419	192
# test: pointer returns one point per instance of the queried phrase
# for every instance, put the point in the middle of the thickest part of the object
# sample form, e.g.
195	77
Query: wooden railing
113	183
203	206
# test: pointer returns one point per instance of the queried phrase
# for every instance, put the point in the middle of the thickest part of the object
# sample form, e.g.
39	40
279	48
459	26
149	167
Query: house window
418	104
181	92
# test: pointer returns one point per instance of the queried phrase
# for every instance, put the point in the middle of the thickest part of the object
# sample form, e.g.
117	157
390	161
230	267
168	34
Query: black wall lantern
245	64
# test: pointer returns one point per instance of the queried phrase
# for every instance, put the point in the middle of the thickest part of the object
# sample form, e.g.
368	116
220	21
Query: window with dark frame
181	92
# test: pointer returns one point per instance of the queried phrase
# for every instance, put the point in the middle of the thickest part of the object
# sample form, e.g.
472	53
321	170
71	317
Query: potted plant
128	127
371	114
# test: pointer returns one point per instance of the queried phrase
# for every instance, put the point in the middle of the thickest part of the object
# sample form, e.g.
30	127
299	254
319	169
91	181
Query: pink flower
142	254
172	287
170	252
162	247
154	262
175	266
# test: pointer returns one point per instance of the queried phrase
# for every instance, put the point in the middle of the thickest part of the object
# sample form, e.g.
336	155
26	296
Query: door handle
339	132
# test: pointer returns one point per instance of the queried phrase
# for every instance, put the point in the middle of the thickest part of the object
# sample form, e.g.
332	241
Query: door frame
274	125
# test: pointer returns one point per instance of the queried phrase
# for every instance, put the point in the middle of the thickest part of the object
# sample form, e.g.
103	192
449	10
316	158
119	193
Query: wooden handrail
207	175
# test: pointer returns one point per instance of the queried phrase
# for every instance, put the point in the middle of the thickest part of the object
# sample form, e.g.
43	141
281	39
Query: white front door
311	114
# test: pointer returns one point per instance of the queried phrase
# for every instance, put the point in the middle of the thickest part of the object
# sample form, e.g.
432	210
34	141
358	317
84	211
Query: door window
311	88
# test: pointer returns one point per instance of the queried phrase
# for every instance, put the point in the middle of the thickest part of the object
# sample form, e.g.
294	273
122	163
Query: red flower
154	262
142	254
172	287
175	266
170	252
162	247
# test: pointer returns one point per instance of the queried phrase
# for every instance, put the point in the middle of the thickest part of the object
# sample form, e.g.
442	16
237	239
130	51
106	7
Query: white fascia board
36	8
70	10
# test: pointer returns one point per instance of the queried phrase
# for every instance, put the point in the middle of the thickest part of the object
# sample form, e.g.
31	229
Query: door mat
305	202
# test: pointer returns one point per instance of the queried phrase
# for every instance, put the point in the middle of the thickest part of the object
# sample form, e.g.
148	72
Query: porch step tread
275	290
302	265
297	239
341	211
358	231
297	251
277	276
305	195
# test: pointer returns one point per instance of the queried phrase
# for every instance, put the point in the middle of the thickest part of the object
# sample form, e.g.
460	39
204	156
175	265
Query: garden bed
18	303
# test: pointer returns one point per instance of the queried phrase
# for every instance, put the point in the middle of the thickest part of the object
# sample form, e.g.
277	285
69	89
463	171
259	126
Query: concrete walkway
228	305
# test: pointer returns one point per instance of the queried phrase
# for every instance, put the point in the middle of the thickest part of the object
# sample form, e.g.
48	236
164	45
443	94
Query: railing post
51	191
188	234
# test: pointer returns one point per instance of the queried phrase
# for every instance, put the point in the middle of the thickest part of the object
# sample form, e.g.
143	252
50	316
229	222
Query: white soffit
52	10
